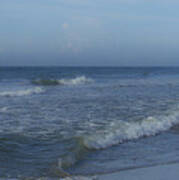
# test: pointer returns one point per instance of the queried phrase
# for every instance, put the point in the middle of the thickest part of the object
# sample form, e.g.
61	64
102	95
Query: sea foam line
22	92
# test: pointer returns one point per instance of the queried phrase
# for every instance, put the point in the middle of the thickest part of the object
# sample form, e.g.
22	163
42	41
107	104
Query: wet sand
160	172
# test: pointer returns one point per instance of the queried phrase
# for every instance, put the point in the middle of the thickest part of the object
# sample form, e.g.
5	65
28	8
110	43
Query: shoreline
165	171
158	172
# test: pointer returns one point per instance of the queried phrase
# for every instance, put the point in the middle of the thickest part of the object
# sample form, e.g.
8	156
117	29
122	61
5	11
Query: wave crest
22	92
124	131
76	153
117	133
74	81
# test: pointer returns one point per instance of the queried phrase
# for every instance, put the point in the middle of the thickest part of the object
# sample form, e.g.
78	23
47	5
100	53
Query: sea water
86	120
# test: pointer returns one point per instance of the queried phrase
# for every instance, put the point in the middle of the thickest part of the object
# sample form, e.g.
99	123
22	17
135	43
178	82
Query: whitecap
53	82
22	92
75	81
121	131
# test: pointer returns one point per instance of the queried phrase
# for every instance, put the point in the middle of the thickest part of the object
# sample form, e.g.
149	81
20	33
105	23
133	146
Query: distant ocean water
86	120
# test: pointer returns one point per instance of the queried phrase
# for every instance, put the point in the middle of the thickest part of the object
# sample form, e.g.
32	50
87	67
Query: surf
24	92
116	133
54	82
121	131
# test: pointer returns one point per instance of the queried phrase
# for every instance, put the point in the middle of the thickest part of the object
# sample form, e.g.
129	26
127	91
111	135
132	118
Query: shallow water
86	120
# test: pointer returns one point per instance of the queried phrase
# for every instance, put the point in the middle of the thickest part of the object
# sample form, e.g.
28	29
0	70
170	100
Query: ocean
87	120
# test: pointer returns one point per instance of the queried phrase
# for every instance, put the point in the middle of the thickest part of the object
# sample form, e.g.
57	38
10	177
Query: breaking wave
119	132
22	92
122	131
74	81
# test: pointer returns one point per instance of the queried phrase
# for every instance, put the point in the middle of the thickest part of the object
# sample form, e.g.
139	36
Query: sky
89	33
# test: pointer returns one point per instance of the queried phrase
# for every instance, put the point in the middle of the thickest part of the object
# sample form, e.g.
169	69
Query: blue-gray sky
89	32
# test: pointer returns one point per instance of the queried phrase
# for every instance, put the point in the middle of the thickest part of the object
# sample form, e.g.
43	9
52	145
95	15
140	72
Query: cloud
65	25
79	34
72	45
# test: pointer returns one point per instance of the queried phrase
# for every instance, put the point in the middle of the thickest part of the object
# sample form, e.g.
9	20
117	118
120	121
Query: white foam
22	92
122	131
80	178
3	109
75	81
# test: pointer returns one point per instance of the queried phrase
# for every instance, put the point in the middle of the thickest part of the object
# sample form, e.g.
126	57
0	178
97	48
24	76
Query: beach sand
160	172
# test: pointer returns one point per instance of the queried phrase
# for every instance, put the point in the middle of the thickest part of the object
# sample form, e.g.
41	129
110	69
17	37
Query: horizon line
85	66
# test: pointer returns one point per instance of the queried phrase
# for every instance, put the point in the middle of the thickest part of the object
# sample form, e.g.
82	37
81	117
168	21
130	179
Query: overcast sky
89	32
